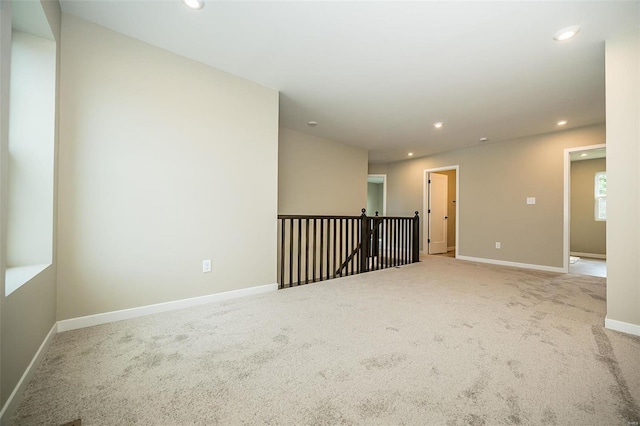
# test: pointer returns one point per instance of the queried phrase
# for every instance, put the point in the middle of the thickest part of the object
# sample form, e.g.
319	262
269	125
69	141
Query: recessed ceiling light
312	123
566	33
438	125
562	122
194	4
584	154
410	154
484	139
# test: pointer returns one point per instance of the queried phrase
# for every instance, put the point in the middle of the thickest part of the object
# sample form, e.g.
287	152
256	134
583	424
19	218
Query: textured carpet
441	342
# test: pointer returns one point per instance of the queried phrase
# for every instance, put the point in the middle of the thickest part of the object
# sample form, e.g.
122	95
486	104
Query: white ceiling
379	74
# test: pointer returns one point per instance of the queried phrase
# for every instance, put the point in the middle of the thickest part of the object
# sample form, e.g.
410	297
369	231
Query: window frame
598	197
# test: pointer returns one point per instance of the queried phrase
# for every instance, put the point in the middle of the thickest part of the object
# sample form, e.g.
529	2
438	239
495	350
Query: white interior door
438	188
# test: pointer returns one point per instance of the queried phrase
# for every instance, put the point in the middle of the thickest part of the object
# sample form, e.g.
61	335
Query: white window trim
596	203
15	277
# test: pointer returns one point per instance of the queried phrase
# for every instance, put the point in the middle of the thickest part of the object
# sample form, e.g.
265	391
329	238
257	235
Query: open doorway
440	211
586	211
377	195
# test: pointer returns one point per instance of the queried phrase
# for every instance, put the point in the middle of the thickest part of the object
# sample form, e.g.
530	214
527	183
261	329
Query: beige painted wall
587	234
320	177
378	169
493	208
26	315
623	178
163	162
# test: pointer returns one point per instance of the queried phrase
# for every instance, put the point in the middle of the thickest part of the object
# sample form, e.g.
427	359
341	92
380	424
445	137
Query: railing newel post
416	238
299	251
364	242
282	248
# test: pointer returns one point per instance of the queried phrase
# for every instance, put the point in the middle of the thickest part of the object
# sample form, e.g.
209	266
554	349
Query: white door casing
567	201
437	212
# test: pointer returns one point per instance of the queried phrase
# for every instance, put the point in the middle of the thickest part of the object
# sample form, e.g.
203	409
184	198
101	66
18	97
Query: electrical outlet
206	265
497	244
531	200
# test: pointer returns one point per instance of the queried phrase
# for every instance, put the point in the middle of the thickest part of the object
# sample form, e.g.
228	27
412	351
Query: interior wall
622	61
587	234
378	169
492	207
375	198
164	162
320	177
27	317
28	314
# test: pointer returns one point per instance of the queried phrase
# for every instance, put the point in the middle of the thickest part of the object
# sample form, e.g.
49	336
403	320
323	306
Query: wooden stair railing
350	258
317	248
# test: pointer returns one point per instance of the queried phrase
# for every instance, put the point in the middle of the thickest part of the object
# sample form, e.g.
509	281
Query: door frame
567	201
384	193
438	223
425	205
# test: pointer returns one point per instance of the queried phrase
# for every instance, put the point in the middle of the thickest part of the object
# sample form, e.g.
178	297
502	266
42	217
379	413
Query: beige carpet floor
441	342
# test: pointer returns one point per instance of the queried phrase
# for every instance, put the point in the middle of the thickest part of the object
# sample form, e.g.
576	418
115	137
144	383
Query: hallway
588	266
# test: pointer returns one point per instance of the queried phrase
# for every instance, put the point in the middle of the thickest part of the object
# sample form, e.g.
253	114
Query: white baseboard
590	255
107	317
16	396
513	264
624	327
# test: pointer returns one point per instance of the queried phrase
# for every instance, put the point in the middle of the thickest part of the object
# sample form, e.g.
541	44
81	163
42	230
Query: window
31	145
601	196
